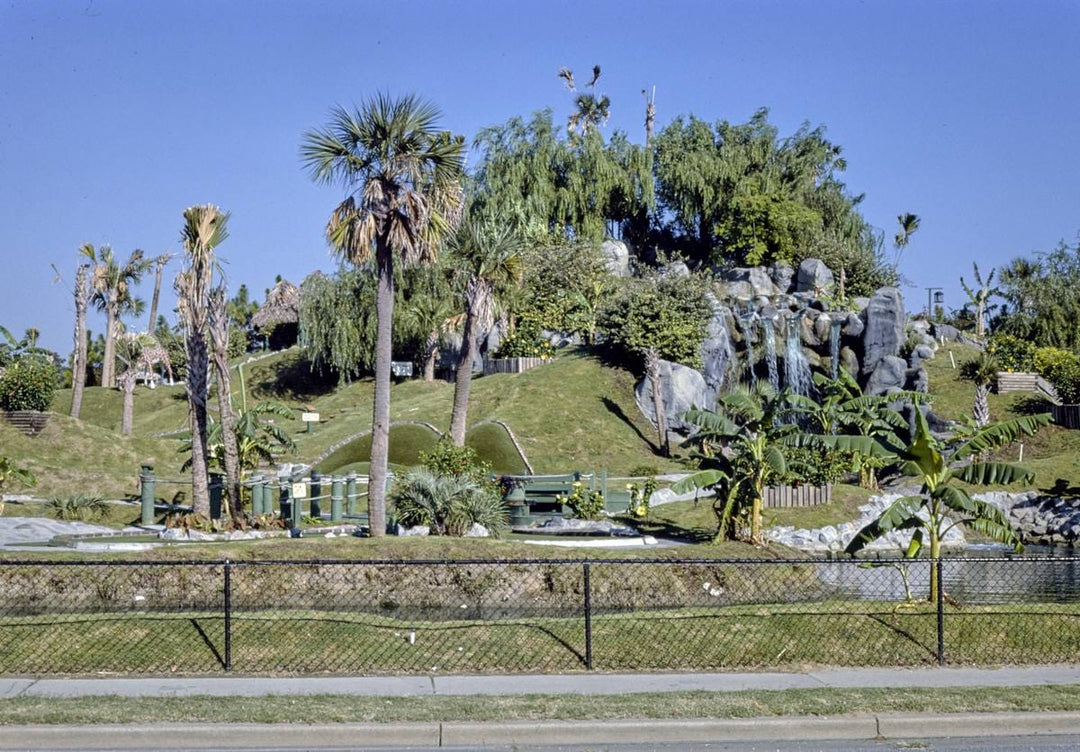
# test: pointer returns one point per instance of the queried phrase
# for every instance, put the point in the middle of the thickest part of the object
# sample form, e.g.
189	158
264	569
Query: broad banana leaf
1000	434
993	474
700	481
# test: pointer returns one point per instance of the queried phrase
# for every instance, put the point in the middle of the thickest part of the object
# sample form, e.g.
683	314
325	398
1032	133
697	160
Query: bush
79	507
1062	369
28	384
586	505
525	342
447	504
446	459
1013	353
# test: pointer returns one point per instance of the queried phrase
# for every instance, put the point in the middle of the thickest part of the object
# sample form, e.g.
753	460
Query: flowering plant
639	497
585	504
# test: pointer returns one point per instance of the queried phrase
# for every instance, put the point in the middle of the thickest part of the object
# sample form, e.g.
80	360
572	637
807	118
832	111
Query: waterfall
797	376
769	335
834	348
748	336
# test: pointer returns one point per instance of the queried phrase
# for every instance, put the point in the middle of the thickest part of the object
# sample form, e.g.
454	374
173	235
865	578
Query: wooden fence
797	496
510	365
29	422
1066	416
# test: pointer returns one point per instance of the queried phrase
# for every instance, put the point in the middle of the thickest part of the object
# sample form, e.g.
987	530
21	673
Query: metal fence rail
535	615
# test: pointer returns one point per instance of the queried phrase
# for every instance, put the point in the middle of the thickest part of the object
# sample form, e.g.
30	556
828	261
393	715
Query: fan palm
983	371
112	284
159	270
205	228
132	349
431	315
403	177
487	255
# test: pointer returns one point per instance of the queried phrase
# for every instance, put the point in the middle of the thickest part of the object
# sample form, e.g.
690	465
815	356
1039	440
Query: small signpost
401	369
309	418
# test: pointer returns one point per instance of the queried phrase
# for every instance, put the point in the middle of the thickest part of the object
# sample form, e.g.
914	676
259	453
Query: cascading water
797	376
834	348
748	337
769	335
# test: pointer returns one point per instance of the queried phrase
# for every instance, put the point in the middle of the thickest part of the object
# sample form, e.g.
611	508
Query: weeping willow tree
741	193
337	322
575	187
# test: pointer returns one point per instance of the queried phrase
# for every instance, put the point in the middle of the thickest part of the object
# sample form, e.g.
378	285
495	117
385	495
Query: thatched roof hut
282	306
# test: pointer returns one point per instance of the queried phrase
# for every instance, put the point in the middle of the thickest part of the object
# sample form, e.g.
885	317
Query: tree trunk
431	351
652	368
981	410
78	367
154	300
980	326
219	337
127	386
380	419
108	365
463	380
195	343
935	553
756	505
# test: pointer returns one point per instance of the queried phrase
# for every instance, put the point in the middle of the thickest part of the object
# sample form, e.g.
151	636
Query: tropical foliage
1042	298
447	504
28	383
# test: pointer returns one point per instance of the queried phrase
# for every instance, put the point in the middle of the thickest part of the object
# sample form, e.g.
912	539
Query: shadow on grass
1031	405
615	409
208	642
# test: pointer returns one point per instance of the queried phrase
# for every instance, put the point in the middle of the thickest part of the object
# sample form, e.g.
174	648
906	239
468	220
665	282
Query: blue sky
116	115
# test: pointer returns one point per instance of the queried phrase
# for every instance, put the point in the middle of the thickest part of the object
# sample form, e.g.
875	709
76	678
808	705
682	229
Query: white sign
309	417
299	490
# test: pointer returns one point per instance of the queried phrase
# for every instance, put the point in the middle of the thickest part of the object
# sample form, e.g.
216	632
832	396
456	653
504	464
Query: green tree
979	296
487	256
205	228
590	109
742	449
943	471
908	224
113	284
131	350
403	176
10	472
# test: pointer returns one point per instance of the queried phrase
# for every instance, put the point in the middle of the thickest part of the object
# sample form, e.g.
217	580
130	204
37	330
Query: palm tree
205	227
741	449
219	341
112	284
940	470
131	348
159	269
404	182
78	365
488	256
591	111
431	315
651	357
908	224
979	297
982	370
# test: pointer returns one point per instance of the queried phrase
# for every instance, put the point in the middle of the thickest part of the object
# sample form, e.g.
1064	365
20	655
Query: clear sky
115	115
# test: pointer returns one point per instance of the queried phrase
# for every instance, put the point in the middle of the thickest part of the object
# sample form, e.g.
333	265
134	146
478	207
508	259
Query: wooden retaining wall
510	365
1017	382
777	497
29	422
1066	416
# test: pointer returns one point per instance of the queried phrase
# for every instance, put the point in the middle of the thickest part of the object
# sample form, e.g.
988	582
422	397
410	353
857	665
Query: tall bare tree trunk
195	345
463	380
108	366
431	350
380	419
981	411
78	366
127	386
652	369
219	339
980	325
157	292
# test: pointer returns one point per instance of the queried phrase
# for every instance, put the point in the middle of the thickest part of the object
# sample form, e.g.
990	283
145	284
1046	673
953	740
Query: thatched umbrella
279	317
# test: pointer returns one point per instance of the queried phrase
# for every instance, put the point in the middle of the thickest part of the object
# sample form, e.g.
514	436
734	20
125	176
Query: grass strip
651	705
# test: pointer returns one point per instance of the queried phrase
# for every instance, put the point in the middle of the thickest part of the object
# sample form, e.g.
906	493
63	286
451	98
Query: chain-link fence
411	617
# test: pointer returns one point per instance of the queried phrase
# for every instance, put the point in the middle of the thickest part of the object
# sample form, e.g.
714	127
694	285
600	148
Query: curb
542	733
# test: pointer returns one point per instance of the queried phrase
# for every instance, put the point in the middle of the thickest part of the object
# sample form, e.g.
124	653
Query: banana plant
9	471
740	446
941	468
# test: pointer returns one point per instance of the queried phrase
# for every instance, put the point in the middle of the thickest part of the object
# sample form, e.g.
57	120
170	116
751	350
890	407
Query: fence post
217	490
316	492
940	613
350	493
256	494
146	493
228	616
588	617
336	498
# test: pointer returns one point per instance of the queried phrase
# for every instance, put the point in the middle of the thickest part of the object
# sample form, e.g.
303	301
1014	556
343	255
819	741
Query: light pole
934	296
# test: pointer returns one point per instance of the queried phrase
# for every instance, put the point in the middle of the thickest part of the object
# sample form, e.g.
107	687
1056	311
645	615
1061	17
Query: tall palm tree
979	296
590	111
908	224
159	269
132	349
112	283
205	227
219	341
78	365
403	176
488	256
431	315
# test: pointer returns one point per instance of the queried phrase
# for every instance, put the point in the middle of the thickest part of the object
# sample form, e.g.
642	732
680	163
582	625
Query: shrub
82	507
1062	369
447	459
448	504
639	497
1013	353
586	505
28	384
525	342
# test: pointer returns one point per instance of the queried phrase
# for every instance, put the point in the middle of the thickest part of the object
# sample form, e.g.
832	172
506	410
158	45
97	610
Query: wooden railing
510	365
777	497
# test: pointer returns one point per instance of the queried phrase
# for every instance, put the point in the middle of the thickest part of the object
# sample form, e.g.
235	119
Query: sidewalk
582	684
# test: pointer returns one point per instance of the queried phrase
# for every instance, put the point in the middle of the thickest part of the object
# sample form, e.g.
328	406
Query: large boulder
815	278
757	278
783	276
884	332
889	374
853	325
681	388
716	351
849	361
616	257
675	270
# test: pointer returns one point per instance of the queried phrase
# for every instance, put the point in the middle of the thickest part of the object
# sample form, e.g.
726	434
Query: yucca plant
447	504
82	507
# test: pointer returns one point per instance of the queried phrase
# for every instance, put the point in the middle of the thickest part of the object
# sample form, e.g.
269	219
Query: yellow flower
577	484
640	511
629	486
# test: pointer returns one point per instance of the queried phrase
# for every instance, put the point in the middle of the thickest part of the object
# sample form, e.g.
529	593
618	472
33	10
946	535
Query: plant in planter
1013	353
1062	369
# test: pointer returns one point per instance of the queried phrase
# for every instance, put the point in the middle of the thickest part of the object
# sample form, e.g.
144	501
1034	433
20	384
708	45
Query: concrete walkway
582	684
